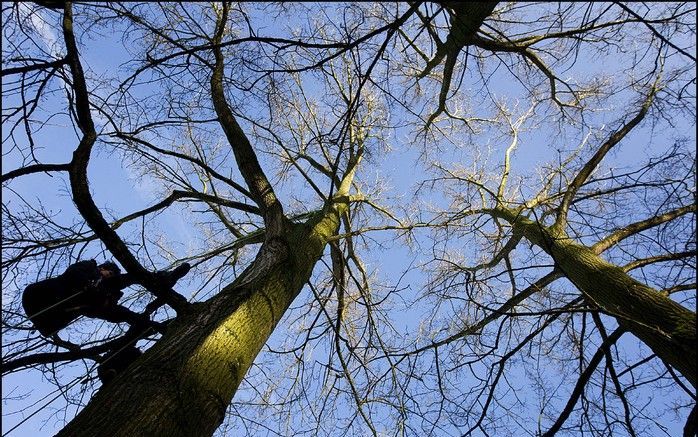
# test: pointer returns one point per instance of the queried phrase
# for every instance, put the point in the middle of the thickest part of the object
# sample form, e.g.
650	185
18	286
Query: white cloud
36	18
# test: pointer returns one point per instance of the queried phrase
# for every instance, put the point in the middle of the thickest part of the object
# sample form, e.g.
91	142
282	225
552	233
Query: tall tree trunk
183	385
667	327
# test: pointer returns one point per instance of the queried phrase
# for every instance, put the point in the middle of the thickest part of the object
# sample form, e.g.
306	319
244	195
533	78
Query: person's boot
170	278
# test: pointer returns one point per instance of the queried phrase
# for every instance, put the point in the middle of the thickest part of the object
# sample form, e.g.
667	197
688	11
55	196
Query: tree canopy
410	218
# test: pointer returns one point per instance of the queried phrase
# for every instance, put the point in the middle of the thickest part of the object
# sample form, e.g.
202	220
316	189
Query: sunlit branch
659	258
640	226
260	188
590	166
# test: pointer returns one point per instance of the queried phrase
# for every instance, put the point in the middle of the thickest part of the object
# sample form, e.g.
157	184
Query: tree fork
665	326
185	382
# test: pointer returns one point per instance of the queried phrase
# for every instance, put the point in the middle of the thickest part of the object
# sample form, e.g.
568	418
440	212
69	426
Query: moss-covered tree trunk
667	327
183	385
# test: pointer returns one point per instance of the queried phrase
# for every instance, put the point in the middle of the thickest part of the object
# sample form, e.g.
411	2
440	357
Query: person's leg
119	314
170	277
167	277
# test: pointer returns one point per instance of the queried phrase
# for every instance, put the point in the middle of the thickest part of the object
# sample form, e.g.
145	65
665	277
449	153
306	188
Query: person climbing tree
87	289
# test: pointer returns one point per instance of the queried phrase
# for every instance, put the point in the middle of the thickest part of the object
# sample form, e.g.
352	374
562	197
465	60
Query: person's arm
81	273
116	283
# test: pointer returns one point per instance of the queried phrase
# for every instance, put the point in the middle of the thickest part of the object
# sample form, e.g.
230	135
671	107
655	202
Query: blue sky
115	187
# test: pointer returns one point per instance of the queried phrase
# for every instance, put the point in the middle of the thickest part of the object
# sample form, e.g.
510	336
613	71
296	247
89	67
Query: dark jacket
53	303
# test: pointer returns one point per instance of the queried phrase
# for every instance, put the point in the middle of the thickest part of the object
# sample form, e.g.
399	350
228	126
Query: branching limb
590	166
640	226
35	168
29	68
503	309
614	376
659	258
466	19
655	31
582	382
130	337
78	177
260	188
191	159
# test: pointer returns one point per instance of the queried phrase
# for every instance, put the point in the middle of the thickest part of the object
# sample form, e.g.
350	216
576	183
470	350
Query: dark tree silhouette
421	218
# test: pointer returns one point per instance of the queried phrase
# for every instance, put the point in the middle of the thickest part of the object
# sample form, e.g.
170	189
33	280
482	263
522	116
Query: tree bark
183	385
665	326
